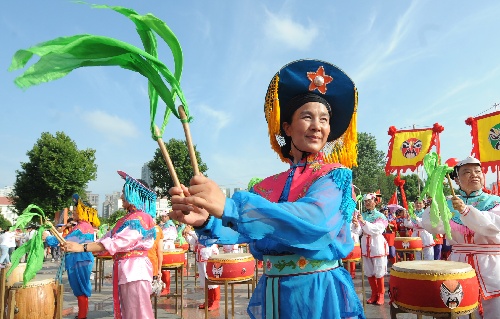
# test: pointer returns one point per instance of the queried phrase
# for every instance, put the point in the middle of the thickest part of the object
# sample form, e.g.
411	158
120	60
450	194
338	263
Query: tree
55	171
411	187
4	223
113	218
370	164
178	151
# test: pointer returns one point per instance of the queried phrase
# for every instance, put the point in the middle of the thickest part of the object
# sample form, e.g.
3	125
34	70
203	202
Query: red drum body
183	247
173	257
408	243
231	267
35	301
434	287
354	255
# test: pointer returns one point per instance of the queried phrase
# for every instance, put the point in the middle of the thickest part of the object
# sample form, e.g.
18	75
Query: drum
408	243
35	301
173	257
354	255
183	247
231	267
16	275
434	287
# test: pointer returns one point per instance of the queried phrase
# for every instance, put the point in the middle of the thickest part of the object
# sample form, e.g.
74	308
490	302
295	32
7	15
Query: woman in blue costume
298	221
79	265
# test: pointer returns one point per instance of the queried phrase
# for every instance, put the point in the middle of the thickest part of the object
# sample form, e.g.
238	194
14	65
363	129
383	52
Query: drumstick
187	133
451	187
168	161
54	232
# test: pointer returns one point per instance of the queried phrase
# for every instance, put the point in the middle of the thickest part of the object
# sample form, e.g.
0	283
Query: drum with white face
231	267
434	287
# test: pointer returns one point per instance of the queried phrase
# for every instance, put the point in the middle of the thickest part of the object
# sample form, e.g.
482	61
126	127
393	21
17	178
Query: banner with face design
407	148
485	131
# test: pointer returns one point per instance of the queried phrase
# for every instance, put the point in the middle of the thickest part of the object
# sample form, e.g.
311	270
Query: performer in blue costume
79	265
475	230
298	221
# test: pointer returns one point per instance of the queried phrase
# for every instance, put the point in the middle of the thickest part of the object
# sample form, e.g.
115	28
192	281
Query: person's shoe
52	260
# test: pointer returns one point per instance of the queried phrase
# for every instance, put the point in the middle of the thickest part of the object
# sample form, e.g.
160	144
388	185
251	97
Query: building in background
146	174
111	204
7	209
162	205
93	199
6	205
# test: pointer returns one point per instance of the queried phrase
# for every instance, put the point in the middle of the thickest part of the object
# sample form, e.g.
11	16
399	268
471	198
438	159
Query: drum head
173	251
432	267
231	256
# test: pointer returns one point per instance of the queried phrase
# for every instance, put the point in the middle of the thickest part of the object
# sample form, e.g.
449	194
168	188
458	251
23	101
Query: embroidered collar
372	215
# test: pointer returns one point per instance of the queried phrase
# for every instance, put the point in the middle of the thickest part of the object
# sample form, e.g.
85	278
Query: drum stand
250	281
411	251
99	271
450	315
178	294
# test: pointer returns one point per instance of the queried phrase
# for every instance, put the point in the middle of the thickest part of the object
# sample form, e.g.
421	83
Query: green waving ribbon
411	211
33	247
433	188
60	56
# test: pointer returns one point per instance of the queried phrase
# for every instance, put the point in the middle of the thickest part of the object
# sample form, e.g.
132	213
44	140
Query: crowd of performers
302	222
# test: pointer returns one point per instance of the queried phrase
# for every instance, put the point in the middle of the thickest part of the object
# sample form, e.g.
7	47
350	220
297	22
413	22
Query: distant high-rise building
111	204
92	199
162	205
146	174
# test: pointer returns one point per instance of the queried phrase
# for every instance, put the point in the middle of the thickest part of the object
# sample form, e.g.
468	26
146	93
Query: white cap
468	160
369	196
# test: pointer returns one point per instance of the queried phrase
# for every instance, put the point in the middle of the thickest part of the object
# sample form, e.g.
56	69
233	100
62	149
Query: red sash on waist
117	257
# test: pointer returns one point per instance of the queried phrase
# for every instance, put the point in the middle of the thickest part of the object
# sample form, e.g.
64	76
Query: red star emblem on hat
319	80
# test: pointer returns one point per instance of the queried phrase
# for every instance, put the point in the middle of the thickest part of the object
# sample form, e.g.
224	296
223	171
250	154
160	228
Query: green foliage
370	164
115	216
412	187
4	223
179	154
55	171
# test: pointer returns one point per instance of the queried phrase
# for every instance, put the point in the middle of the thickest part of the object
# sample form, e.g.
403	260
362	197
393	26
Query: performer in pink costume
128	242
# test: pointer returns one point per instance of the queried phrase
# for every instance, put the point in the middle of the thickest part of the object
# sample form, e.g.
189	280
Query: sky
415	63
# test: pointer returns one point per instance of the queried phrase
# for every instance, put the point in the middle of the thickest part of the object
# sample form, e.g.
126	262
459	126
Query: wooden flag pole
168	161
187	132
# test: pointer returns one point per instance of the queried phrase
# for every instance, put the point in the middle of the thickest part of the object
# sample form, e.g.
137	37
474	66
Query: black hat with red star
308	80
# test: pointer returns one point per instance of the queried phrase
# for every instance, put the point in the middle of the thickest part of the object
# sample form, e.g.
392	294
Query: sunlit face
419	205
309	129
369	204
470	178
126	205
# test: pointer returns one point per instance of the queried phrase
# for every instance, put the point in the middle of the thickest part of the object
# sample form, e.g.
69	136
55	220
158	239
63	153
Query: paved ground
100	304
